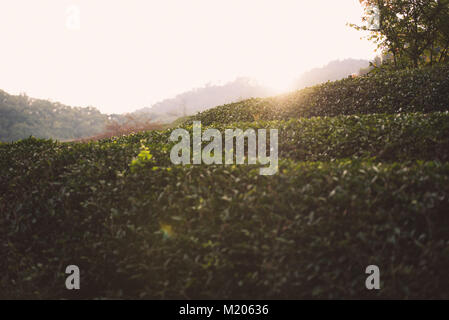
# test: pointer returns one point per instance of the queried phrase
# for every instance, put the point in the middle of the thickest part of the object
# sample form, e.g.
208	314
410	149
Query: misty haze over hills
22	116
200	99
334	70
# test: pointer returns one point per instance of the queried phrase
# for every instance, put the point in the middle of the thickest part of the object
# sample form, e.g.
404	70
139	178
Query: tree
413	32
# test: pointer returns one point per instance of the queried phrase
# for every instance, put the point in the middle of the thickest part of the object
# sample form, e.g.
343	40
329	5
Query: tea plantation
363	179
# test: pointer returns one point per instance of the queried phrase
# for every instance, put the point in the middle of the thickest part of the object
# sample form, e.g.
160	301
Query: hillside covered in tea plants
410	90
363	180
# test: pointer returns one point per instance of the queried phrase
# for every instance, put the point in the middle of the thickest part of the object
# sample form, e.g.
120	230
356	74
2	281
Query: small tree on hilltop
413	32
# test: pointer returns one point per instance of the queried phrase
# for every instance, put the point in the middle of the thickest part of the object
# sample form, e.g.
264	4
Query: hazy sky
128	54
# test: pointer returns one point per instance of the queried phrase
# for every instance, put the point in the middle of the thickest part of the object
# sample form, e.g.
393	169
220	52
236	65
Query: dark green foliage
420	90
368	185
166	231
413	33
412	136
408	136
21	117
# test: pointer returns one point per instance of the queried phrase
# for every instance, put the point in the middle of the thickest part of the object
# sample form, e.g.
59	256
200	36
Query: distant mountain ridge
334	70
22	116
200	99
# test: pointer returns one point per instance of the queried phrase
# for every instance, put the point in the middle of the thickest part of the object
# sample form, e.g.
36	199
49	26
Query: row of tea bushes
227	232
420	90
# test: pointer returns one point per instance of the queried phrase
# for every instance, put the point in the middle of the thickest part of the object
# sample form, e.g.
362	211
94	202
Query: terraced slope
351	190
423	90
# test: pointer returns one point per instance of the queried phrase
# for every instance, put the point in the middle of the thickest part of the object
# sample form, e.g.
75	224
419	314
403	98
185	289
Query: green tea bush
227	232
164	231
363	179
418	90
387	137
412	136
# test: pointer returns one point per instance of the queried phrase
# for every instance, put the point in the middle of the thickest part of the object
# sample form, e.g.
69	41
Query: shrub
164	231
227	232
